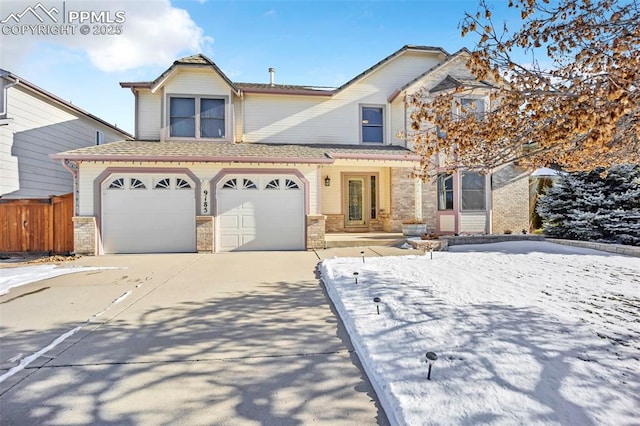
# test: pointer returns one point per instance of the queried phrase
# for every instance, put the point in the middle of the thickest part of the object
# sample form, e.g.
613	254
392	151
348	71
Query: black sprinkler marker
377	301
431	358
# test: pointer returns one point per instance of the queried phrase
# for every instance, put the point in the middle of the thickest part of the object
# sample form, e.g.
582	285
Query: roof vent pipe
272	76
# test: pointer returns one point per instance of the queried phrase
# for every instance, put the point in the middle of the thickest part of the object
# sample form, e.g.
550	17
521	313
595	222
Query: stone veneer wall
204	234
402	197
510	200
85	235
315	232
334	223
430	203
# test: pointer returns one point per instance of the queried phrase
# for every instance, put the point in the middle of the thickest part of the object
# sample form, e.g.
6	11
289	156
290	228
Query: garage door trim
227	172
109	171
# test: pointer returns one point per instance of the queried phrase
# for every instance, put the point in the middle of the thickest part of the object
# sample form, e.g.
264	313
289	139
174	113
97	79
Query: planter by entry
414	229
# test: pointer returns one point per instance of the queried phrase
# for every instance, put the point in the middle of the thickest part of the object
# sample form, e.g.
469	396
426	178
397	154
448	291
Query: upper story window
470	106
99	137
196	117
372	118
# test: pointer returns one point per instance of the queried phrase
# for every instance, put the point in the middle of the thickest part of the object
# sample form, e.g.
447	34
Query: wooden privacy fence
37	225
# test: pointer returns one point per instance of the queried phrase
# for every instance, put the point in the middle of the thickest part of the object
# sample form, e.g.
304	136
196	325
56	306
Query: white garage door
147	214
260	212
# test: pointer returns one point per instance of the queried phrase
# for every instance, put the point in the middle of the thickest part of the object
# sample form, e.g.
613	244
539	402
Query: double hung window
195	117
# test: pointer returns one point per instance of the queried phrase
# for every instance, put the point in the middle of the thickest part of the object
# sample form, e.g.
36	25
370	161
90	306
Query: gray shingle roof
225	152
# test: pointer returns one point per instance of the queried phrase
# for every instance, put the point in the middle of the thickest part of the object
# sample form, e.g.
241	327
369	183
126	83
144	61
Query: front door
356	201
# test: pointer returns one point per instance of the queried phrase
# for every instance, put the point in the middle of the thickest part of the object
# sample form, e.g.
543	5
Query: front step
364	240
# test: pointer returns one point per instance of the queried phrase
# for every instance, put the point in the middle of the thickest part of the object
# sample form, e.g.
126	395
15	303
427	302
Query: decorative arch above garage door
148	213
260	212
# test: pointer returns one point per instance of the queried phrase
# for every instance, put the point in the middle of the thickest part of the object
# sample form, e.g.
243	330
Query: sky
319	43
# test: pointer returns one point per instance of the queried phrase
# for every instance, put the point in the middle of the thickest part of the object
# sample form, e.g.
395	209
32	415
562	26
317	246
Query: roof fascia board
380	64
157	83
190	159
446	62
21	82
299	92
384	157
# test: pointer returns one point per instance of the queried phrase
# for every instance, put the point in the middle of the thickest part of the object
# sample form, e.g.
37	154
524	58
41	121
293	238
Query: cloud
153	33
270	13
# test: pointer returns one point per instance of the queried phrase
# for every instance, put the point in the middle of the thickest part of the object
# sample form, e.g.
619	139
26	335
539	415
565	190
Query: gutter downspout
6	87
74	172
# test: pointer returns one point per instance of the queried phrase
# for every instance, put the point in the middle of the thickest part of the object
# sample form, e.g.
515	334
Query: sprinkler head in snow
355	276
377	302
362	254
431	358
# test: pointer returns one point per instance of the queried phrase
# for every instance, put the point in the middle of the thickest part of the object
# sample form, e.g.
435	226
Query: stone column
204	234
85	235
403	197
315	232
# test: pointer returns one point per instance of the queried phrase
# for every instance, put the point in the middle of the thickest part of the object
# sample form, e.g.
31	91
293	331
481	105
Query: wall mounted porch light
327	181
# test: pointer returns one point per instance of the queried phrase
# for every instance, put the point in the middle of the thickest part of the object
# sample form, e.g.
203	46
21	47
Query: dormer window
197	117
372	119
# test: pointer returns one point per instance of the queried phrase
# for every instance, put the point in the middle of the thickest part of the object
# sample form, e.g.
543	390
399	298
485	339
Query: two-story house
218	165
35	123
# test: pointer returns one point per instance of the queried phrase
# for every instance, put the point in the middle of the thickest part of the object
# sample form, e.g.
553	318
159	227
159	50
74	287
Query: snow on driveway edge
389	402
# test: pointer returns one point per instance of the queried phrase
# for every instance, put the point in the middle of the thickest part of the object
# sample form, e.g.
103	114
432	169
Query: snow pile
15	277
526	333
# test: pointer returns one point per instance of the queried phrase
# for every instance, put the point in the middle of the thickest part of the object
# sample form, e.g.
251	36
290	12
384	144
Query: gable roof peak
197	59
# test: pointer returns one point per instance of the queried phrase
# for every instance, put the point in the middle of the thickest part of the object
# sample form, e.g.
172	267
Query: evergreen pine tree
594	206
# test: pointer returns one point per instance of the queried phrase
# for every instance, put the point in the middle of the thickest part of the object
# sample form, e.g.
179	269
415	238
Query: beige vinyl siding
148	118
40	127
315	119
201	81
397	122
238	118
473	222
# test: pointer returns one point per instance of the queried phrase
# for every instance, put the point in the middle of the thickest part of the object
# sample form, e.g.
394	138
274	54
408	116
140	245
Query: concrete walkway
236	338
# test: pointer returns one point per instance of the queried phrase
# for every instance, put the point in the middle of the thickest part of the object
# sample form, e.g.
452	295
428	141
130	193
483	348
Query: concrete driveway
236	338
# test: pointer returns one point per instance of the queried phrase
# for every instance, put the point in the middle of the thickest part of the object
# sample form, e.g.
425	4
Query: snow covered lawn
525	333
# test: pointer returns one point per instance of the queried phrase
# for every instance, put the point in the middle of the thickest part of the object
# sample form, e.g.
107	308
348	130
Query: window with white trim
473	191
445	191
117	184
372	122
197	117
137	184
182	184
475	106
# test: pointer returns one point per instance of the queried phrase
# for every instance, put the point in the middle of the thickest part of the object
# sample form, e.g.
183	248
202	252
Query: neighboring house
35	124
222	166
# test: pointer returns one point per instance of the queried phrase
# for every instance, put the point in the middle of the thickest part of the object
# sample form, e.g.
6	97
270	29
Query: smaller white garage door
260	212
148	214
